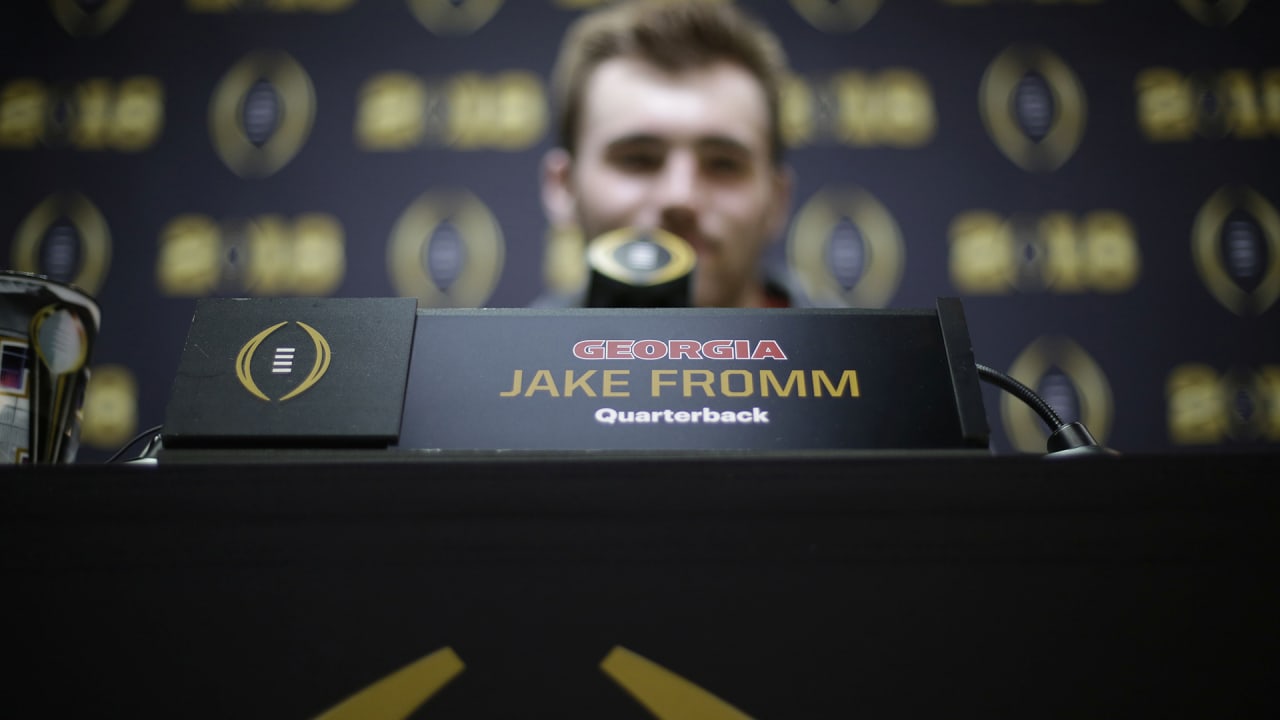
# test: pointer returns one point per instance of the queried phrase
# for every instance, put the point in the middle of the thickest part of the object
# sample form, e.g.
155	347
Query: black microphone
638	268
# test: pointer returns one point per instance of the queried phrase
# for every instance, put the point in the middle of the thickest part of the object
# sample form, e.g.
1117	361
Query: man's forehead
630	97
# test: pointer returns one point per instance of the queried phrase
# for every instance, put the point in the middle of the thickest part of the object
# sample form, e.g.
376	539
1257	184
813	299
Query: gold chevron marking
664	693
246	357
321	366
397	695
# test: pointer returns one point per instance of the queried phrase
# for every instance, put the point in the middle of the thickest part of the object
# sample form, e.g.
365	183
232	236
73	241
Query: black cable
1023	393
148	432
1065	439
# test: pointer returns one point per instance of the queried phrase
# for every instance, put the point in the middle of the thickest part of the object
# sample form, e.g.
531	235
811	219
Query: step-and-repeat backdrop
1096	179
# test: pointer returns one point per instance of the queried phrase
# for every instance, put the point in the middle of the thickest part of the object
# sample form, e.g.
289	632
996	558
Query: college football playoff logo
1235	245
283	360
845	245
1033	107
261	113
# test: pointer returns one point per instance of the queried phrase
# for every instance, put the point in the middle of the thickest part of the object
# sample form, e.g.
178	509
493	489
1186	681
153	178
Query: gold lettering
704	378
1062	266
469	112
318	254
542	382
614	383
91	114
110	407
571	384
1237	91
1271	100
519	110
1197	405
907	113
1268	384
657	381
390	114
982	259
305	257
726	387
517	380
857	108
270	257
1166	105
795	120
190	258
1111	251
278	6
138	116
24	107
795	379
848	381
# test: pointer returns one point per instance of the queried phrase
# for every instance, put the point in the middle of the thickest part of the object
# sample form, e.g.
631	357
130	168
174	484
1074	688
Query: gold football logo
446	250
67	239
836	16
1235	244
662	692
1033	107
261	113
1070	381
284	359
449	17
845	245
1214	12
88	18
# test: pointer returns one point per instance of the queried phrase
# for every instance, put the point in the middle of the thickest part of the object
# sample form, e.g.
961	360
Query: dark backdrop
1094	178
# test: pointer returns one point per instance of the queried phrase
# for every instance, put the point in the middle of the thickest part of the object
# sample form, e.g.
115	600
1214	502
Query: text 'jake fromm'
684	383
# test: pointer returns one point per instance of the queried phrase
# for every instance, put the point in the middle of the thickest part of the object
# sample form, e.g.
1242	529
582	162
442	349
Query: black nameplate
690	379
292	372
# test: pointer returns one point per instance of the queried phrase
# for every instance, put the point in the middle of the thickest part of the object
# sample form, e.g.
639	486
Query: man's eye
724	165
638	161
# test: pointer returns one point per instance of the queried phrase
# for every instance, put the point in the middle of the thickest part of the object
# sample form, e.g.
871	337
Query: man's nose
678	186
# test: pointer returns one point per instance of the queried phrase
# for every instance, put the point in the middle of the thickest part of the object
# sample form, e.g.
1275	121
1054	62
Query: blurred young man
668	118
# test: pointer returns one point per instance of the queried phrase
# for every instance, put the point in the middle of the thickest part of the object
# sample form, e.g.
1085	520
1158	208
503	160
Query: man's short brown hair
674	35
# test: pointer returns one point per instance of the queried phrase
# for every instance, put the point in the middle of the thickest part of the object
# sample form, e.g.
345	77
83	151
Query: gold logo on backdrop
663	693
447	250
564	265
1236	103
110	407
265	255
279	6
261	113
1214	12
892	107
451	17
283	360
1033	108
80	18
93	114
398	111
1235	243
1069	380
1056	252
66	239
1205	408
836	16
844	244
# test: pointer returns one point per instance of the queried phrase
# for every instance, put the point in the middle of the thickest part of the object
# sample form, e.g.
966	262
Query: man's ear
558	199
784	179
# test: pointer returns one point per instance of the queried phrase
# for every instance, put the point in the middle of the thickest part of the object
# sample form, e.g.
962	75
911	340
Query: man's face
688	153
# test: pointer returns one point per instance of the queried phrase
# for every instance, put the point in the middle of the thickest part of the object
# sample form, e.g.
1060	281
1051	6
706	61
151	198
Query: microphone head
633	268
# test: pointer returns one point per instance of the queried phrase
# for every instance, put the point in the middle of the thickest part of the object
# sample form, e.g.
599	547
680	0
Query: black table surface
787	586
